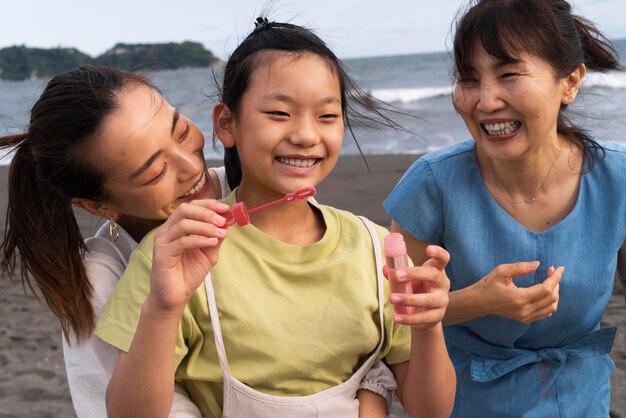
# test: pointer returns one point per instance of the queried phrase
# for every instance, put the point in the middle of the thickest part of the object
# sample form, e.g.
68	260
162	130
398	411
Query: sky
352	28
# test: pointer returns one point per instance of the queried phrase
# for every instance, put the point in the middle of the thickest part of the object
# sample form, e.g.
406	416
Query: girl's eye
158	176
278	113
329	116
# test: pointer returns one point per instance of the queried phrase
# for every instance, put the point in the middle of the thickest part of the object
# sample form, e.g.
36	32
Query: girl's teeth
196	188
297	162
502	128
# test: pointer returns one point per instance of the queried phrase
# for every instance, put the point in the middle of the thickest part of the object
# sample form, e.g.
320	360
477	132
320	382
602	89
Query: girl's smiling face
289	126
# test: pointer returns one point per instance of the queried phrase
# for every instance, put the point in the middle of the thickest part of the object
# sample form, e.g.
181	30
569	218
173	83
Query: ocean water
418	85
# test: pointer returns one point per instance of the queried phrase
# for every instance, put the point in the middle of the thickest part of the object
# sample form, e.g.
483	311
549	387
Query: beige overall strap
217	335
379	277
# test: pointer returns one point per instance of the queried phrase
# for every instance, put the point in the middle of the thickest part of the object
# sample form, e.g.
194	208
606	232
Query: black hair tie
260	24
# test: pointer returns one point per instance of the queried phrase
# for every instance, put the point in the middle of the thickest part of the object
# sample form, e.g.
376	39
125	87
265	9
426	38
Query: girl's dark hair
544	28
54	163
286	37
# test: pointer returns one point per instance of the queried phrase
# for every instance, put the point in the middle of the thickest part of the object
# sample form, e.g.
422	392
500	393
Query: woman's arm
496	293
185	248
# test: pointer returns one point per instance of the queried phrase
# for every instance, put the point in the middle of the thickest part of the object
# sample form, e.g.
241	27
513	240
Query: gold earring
114	232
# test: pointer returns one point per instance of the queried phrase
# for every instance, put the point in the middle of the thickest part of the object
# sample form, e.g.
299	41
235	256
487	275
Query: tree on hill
21	62
158	56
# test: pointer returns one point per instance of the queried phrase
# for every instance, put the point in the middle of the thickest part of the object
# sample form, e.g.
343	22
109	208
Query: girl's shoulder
350	222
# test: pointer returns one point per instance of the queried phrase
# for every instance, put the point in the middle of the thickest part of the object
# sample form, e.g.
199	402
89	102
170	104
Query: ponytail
40	224
599	53
52	165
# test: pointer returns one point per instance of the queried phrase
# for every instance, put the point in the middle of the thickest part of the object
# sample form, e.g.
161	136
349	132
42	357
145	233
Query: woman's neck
526	178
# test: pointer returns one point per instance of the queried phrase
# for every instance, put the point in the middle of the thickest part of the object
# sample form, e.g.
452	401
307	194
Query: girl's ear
572	85
224	124
94	207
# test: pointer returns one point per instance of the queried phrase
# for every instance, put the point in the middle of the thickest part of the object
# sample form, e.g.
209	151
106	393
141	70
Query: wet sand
32	373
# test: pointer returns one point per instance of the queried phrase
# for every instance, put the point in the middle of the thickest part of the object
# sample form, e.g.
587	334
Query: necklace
531	199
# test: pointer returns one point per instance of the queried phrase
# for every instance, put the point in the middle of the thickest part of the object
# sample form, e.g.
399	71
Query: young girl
294	314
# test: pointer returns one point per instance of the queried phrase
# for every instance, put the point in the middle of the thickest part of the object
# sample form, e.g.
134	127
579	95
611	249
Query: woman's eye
158	176
509	75
329	116
185	133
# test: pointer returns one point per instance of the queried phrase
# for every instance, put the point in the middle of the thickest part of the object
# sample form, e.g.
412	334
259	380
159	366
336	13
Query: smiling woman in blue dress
532	211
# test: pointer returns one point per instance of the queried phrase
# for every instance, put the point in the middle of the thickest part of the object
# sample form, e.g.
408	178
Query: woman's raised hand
430	290
185	249
497	294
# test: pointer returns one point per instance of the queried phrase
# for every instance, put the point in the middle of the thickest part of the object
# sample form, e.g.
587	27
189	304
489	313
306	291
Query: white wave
408	95
612	79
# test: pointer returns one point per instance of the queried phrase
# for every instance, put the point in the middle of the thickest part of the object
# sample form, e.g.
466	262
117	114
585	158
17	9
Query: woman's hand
497	294
185	249
430	290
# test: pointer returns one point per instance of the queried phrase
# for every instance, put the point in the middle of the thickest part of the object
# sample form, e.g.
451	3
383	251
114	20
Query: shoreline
33	381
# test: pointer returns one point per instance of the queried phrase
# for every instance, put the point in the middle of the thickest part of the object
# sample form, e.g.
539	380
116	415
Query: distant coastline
25	63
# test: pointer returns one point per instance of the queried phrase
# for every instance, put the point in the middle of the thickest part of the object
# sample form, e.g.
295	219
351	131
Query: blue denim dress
557	367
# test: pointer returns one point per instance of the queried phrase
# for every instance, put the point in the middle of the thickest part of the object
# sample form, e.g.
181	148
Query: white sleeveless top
241	401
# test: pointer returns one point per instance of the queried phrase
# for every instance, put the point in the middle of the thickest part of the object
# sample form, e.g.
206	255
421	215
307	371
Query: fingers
541	300
206	210
515	269
545	291
420	300
439	257
427	275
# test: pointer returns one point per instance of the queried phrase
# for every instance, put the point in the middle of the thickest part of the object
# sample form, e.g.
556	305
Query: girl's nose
305	133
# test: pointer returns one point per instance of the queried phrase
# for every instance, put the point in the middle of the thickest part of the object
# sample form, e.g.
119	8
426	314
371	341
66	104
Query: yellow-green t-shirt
295	319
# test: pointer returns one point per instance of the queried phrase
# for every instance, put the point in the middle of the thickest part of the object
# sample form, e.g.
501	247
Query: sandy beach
32	373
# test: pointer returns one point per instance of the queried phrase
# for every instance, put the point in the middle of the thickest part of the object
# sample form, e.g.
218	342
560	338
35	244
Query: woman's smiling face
152	157
510	107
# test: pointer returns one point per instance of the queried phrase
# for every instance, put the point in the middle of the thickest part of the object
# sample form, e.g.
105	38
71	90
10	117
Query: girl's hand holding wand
186	247
430	286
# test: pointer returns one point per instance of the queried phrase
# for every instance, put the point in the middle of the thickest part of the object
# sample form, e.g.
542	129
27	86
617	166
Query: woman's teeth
502	128
195	189
296	162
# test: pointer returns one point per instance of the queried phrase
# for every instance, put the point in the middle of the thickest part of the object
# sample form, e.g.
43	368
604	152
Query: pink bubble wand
240	215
